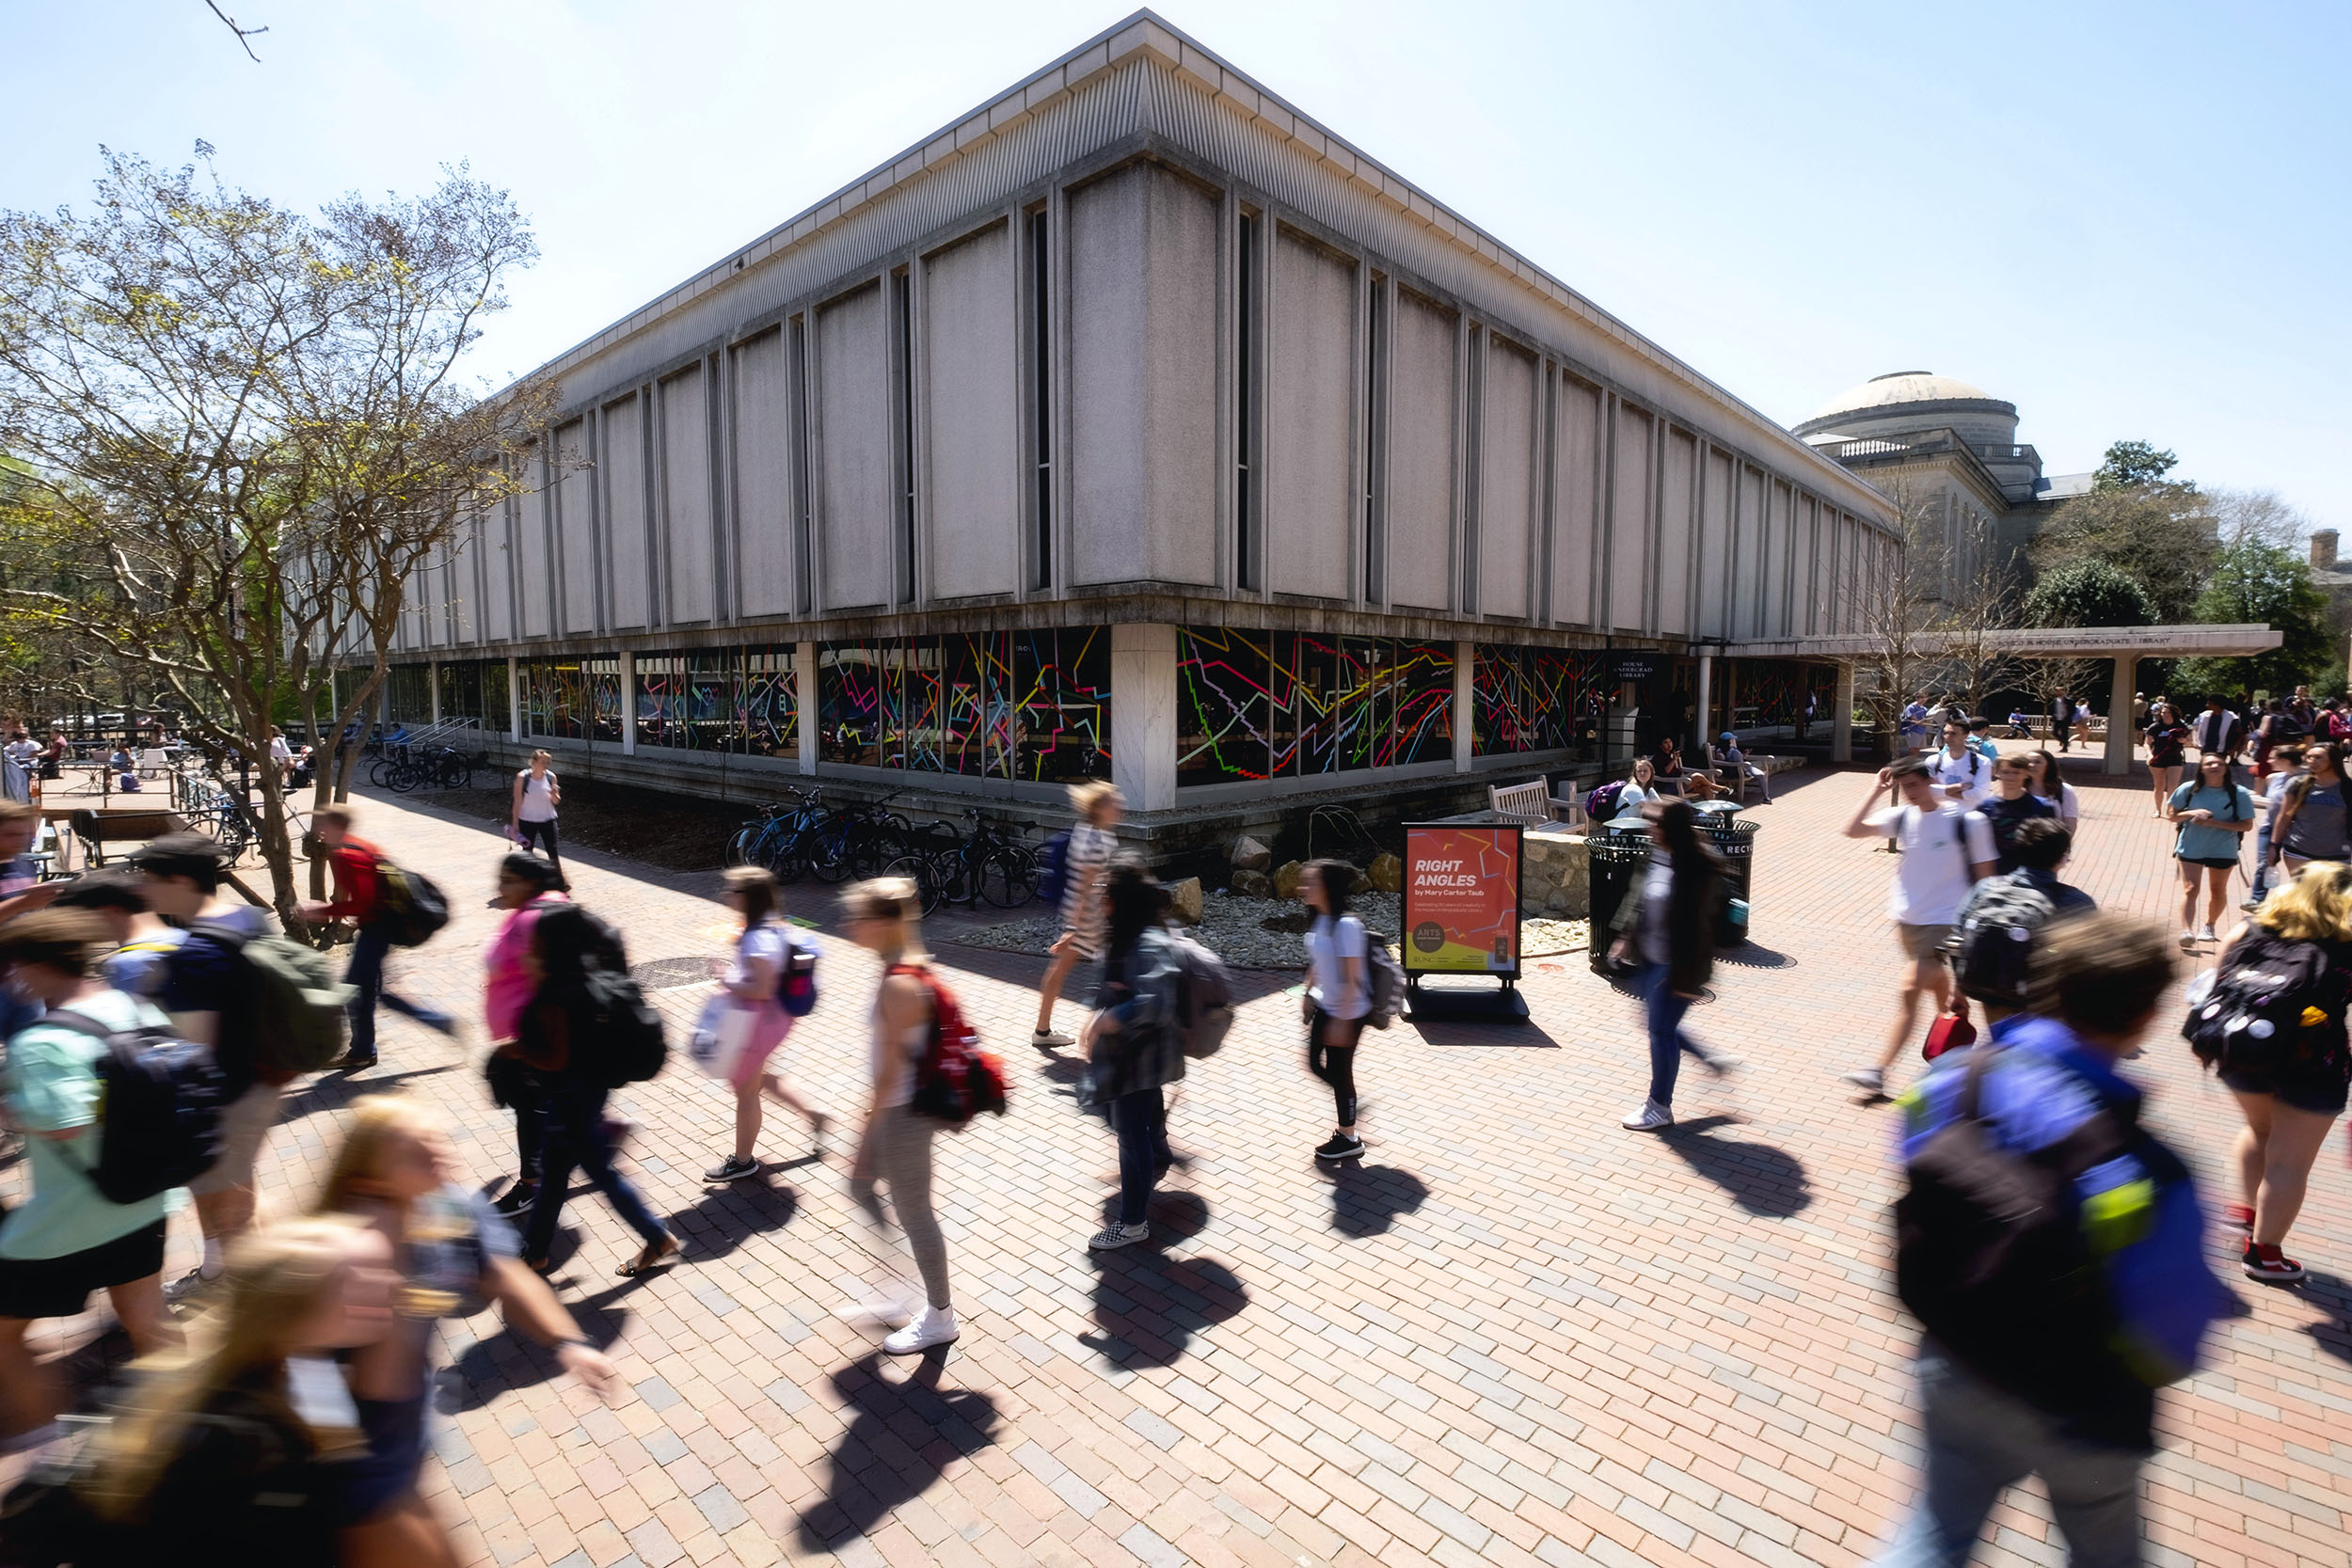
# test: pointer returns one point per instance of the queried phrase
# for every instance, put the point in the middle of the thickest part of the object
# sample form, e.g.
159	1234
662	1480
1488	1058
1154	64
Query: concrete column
1841	716
514	702
1465	711
628	704
1706	695
804	704
1143	714
432	680
2119	716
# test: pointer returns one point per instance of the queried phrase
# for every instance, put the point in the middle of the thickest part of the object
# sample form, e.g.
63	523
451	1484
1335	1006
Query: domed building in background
1947	453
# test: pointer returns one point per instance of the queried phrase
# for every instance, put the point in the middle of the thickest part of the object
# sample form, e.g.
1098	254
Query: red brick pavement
1517	1335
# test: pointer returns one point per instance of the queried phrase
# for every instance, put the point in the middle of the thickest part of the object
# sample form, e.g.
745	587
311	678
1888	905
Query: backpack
618	1036
1053	868
795	989
408	905
1603	798
298	1001
956	1080
1385	977
1204	1009
162	1098
2273	1005
1992	947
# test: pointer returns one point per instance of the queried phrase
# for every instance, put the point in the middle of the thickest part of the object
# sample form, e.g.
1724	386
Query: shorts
2314	1087
388	1471
1923	941
60	1286
769	1025
2210	862
245	1124
1088	942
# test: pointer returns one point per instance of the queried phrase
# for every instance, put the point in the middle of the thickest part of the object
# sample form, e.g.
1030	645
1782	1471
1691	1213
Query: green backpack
298	1001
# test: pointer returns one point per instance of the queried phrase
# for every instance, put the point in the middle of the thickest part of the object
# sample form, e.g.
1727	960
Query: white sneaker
1049	1039
1652	1117
1869	1078
2204	932
190	1286
2188	937
1118	1236
936	1326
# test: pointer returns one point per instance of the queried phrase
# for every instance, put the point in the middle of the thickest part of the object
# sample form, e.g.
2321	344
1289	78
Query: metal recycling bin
1733	840
1616	852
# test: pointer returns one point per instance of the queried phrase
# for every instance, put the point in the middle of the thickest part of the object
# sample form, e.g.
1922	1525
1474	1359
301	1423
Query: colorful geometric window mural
1533	699
1259	704
555	699
736	700
475	690
1766	693
1029	704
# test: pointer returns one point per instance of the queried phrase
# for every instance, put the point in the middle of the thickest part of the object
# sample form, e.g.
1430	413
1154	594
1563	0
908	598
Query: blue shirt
2204	841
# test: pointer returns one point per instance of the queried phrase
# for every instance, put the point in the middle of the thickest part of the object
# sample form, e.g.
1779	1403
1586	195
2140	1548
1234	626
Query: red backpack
956	1080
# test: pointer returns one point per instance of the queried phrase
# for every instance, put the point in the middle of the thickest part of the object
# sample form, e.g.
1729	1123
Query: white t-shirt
1970	770
1632	797
1328	948
1933	877
279	749
767	941
2068	805
538	797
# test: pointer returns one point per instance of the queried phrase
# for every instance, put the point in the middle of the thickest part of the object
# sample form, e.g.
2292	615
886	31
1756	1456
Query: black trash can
1732	838
1617	851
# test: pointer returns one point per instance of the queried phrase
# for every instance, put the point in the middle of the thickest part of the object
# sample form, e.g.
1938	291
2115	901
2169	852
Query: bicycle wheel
1009	877
455	774
780	850
381	769
874	845
741	842
827	849
923	871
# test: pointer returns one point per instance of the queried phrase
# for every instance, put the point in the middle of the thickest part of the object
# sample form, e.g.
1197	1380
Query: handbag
718	1037
1950	1031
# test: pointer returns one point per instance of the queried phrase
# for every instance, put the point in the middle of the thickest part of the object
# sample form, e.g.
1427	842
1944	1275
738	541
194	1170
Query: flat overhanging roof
2174	641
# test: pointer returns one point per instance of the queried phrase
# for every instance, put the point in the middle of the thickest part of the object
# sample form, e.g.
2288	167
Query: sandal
543	1267
655	1254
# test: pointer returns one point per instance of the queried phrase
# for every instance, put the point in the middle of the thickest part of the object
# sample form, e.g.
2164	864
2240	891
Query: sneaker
353	1061
2204	932
190	1286
516	1198
1719	1063
2188	938
892	1310
936	1326
1049	1039
2238	1216
1341	1147
731	1169
1869	1078
1119	1236
2271	1266
1652	1117
2252	904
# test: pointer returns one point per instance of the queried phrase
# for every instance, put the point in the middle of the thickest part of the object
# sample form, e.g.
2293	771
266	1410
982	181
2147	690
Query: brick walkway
1518	1334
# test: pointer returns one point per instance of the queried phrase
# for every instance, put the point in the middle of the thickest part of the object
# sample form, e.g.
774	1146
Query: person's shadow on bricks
1367	1200
719	1221
1760	1178
2323	1289
1147	1305
902	1434
499	1359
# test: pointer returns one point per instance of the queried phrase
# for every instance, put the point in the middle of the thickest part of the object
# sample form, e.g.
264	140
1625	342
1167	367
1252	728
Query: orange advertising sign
1462	900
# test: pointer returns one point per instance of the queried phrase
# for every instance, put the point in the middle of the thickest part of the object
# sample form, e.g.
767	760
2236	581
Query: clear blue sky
2130	220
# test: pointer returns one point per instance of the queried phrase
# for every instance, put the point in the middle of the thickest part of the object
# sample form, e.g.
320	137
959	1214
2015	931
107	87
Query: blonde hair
2316	906
376	1121
757	884
893	898
1089	795
271	1288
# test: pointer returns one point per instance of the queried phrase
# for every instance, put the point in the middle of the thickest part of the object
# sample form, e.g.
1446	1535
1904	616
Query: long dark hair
2303	782
1335	878
1693	862
1136	900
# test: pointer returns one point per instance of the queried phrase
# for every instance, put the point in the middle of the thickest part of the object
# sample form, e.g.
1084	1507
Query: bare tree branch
244	34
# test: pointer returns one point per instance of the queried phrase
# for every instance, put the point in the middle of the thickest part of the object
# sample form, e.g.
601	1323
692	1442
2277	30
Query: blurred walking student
140	939
2050	787
357	889
526	887
1957	769
2219	733
1671	930
2291	1081
531	812
66	1239
2010	806
754	980
2062	720
1946	848
2311	813
1098	805
893	1151
2018	1374
2286	765
1339	995
397	1174
2215	814
2167	737
1134	1048
231	1452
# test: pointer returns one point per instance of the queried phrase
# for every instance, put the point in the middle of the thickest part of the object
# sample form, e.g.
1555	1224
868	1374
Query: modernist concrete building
1135	424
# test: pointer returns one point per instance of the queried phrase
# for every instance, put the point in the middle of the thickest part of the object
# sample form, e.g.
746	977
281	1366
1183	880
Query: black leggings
544	834
1332	1057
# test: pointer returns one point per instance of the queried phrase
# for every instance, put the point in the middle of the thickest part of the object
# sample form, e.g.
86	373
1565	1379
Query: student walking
2286	765
1671	931
2167	737
531	811
2062	720
2010	806
1946	848
66	1239
2050	787
1339	996
2019	1374
2290	1079
359	887
526	888
1133	1047
2312	822
1957	769
885	917
2215	815
767	955
2218	732
1088	855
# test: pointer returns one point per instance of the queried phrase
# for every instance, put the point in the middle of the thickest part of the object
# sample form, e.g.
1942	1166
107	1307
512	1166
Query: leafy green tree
2088	593
2160	535
2129	464
2260	584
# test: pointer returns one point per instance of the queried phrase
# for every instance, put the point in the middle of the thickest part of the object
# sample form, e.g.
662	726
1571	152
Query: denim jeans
1663	1010
366	978
1979	1440
576	1140
1141	1119
2262	855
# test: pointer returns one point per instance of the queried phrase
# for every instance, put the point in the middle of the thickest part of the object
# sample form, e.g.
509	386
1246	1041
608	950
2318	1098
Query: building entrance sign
1461	918
1636	665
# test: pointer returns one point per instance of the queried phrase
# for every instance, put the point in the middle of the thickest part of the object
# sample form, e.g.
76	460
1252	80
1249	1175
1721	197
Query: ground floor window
572	698
1025	705
1771	693
476	690
1276	705
408	693
1536	700
741	701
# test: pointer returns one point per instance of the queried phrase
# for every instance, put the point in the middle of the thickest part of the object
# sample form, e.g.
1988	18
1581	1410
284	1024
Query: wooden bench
1532	803
97	830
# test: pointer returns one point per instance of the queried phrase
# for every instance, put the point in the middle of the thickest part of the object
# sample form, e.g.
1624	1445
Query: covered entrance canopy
2126	645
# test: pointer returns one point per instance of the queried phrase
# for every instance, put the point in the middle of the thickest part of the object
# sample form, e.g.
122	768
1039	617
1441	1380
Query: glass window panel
1498	700
600	700
1364	707
1423	684
1223	717
1283	704
770	703
849	703
1060	703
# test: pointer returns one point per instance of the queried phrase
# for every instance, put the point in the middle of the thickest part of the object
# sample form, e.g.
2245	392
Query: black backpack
409	904
1992	939
162	1098
616	1036
2274	1005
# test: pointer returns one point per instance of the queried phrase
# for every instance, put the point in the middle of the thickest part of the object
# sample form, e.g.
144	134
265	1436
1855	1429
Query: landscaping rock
1252	884
1286	880
1387	873
1183	901
1251	855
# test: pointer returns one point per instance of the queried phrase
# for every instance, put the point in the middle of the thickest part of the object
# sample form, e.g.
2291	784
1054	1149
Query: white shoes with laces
936	1325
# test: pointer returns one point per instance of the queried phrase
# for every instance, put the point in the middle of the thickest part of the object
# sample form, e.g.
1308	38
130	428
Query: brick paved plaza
1517	1335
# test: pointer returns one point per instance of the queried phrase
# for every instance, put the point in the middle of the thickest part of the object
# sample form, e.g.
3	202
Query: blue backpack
1053	869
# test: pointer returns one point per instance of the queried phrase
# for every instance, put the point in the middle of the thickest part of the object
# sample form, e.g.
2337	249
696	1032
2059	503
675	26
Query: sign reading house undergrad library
1461	917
